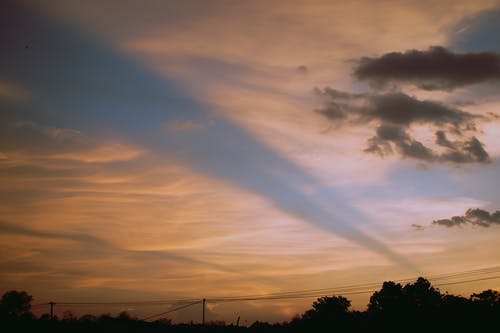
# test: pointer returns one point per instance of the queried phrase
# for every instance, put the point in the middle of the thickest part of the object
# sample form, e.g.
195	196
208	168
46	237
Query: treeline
415	306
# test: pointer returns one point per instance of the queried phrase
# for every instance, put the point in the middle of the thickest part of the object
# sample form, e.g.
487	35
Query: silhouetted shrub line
415	306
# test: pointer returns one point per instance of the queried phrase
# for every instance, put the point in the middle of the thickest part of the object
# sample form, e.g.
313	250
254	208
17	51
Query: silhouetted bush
415	306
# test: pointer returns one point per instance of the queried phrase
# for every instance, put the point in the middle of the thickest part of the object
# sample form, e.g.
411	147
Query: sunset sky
157	150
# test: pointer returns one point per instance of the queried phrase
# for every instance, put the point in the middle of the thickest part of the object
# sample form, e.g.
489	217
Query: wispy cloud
136	104
95	245
183	145
12	92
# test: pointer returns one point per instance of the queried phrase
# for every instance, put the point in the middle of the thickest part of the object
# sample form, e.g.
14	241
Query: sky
165	150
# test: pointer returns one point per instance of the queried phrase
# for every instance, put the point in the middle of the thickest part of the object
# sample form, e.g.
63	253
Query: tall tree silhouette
389	299
16	303
421	296
328	312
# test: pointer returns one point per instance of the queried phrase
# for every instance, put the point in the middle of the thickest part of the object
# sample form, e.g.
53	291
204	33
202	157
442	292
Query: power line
38	305
437	280
467	281
172	310
352	292
358	288
161	302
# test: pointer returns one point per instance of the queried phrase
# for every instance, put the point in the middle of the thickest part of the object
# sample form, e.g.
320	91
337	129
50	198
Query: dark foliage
415	306
16	304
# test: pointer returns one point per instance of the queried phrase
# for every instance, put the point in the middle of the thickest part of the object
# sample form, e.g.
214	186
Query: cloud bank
434	69
394	114
473	216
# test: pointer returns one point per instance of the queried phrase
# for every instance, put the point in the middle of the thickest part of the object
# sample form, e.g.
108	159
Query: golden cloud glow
95	214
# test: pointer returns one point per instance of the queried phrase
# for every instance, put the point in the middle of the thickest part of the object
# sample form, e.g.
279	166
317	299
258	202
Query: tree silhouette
327	312
16	303
489	298
331	305
389	299
455	303
394	306
422	296
486	306
394	298
415	306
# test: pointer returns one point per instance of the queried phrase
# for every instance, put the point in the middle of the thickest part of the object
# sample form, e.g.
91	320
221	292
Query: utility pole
52	309
203	318
238	321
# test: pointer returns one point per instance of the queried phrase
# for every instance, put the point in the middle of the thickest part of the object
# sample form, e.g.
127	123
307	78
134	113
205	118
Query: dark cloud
339	105
473	216
389	136
402	109
434	69
395	113
468	151
442	140
417	227
396	108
